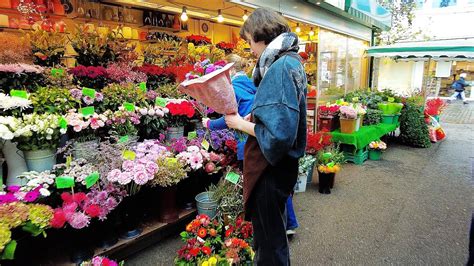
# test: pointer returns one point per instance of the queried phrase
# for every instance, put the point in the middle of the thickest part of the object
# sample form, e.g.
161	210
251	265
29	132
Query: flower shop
103	152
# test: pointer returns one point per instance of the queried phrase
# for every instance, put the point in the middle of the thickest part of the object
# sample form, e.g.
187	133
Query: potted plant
48	47
122	125
372	117
375	149
20	76
305	170
94	77
53	100
314	143
38	136
348	119
115	95
434	107
329	161
328	118
361	111
152	121
92	48
180	111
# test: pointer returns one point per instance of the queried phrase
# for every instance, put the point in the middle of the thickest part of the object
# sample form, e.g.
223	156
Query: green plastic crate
356	156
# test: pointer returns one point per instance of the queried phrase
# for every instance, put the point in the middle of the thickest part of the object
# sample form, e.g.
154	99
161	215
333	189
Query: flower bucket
326	182
15	162
348	126
40	160
388	119
375	155
357	124
85	150
174	132
206	205
168	212
301	182
328	123
396	118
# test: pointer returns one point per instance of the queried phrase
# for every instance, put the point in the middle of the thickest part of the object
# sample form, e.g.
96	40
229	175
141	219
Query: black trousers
268	212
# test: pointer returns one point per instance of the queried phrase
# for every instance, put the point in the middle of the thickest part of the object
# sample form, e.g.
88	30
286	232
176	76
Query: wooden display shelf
105	22
157	28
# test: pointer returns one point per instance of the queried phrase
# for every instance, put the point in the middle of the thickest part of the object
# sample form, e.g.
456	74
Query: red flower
59	218
79	197
93	210
194	252
317	141
228	232
202	232
108	262
66	197
231	144
206	250
304	55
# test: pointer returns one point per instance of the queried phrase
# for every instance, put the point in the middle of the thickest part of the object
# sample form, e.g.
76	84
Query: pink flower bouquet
213	89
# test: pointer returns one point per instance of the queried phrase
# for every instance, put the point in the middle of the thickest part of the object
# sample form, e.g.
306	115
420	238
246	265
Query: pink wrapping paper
213	90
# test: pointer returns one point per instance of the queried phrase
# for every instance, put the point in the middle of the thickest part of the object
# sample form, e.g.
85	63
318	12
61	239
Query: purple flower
211	68
151	168
102	195
111	203
76	93
79	220
151	95
7	198
31	196
88	100
128	165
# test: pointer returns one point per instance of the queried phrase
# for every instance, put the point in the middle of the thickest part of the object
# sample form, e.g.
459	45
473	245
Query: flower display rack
59	245
356	156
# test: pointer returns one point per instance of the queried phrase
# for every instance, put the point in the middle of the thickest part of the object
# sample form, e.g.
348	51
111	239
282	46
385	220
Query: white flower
49	137
151	112
49	131
44	192
34	128
143	111
63	130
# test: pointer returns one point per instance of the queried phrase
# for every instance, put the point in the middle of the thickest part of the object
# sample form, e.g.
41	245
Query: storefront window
357	65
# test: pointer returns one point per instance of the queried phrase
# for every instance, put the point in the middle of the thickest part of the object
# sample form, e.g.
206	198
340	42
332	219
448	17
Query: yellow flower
212	261
190	46
205	263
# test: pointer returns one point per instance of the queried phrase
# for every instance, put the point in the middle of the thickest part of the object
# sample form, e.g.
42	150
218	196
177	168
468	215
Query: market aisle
413	207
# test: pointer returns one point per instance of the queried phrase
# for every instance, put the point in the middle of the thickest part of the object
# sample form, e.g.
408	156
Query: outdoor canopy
458	49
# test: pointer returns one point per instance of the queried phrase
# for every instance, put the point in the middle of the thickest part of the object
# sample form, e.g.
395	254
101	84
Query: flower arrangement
79	169
101	261
156	75
86	99
37	131
328	110
179	112
92	48
240	229
94	77
198	40
200	53
123	73
329	160
237	251
53	100
435	106
122	122
48	47
229	196
204	67
20	76
305	164
227	47
37	186
192	158
378	145
152	119
360	109
203	241
347	112
317	141
13	105
115	95
84	127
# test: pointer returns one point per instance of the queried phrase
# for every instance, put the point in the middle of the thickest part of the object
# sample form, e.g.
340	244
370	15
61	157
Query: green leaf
57	72
92	179
88	92
31	228
64	182
9	251
232	177
62	122
161	102
123	139
19	94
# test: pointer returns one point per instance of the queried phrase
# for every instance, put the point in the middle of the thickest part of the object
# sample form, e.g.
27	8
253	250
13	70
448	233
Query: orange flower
202	232
243	244
189	227
196	223
213	232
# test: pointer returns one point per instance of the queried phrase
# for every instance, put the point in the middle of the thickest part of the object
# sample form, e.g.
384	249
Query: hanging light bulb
184	16
245	16
220	18
298	29
311	32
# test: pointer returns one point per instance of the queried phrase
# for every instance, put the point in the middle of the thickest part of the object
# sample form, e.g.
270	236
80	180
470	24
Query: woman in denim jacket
276	129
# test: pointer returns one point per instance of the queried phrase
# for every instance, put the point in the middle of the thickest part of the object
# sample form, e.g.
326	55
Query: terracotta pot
168	211
348	126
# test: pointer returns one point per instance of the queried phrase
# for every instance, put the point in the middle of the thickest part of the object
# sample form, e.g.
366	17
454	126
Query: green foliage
169	91
115	95
372	117
413	129
335	155
53	100
371	99
152	126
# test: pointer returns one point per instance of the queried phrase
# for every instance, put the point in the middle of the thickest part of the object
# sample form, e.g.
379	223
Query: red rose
206	250
194	252
59	218
93	210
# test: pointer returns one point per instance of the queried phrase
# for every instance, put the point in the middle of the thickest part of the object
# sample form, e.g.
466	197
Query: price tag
64	182
19	94
391	99
87	110
192	135
128	155
142	86
129	107
57	72
232	177
161	102
171	160
92	179
62	122
123	139
88	92
205	144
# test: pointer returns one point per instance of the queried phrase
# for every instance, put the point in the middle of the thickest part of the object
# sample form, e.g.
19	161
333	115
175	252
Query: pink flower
111	203
140	177
195	161
70	207
31	196
151	168
124	178
214	157
96	123
97	261
128	165
13	189
210	167
88	100
78	220
99	96
113	175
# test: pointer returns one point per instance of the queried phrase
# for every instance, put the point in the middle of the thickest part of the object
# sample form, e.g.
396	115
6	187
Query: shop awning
458	49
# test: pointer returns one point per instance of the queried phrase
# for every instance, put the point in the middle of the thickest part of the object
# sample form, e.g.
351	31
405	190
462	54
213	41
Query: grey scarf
285	43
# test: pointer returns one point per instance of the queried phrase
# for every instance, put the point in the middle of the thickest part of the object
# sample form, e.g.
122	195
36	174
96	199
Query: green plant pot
375	155
388	119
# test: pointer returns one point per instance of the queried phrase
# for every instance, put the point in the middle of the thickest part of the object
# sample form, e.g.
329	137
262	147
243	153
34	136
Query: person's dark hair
264	25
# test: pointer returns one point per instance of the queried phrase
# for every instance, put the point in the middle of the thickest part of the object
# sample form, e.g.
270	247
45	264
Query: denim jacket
279	110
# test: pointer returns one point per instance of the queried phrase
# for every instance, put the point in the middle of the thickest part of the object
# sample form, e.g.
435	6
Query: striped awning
458	49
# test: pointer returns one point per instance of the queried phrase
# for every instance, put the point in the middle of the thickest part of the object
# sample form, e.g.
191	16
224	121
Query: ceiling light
220	18
298	29
184	16
245	16
311	32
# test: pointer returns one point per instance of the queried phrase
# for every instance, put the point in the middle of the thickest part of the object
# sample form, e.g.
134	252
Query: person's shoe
465	102
290	232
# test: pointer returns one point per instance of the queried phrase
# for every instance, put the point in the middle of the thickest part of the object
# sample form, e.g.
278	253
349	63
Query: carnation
79	220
